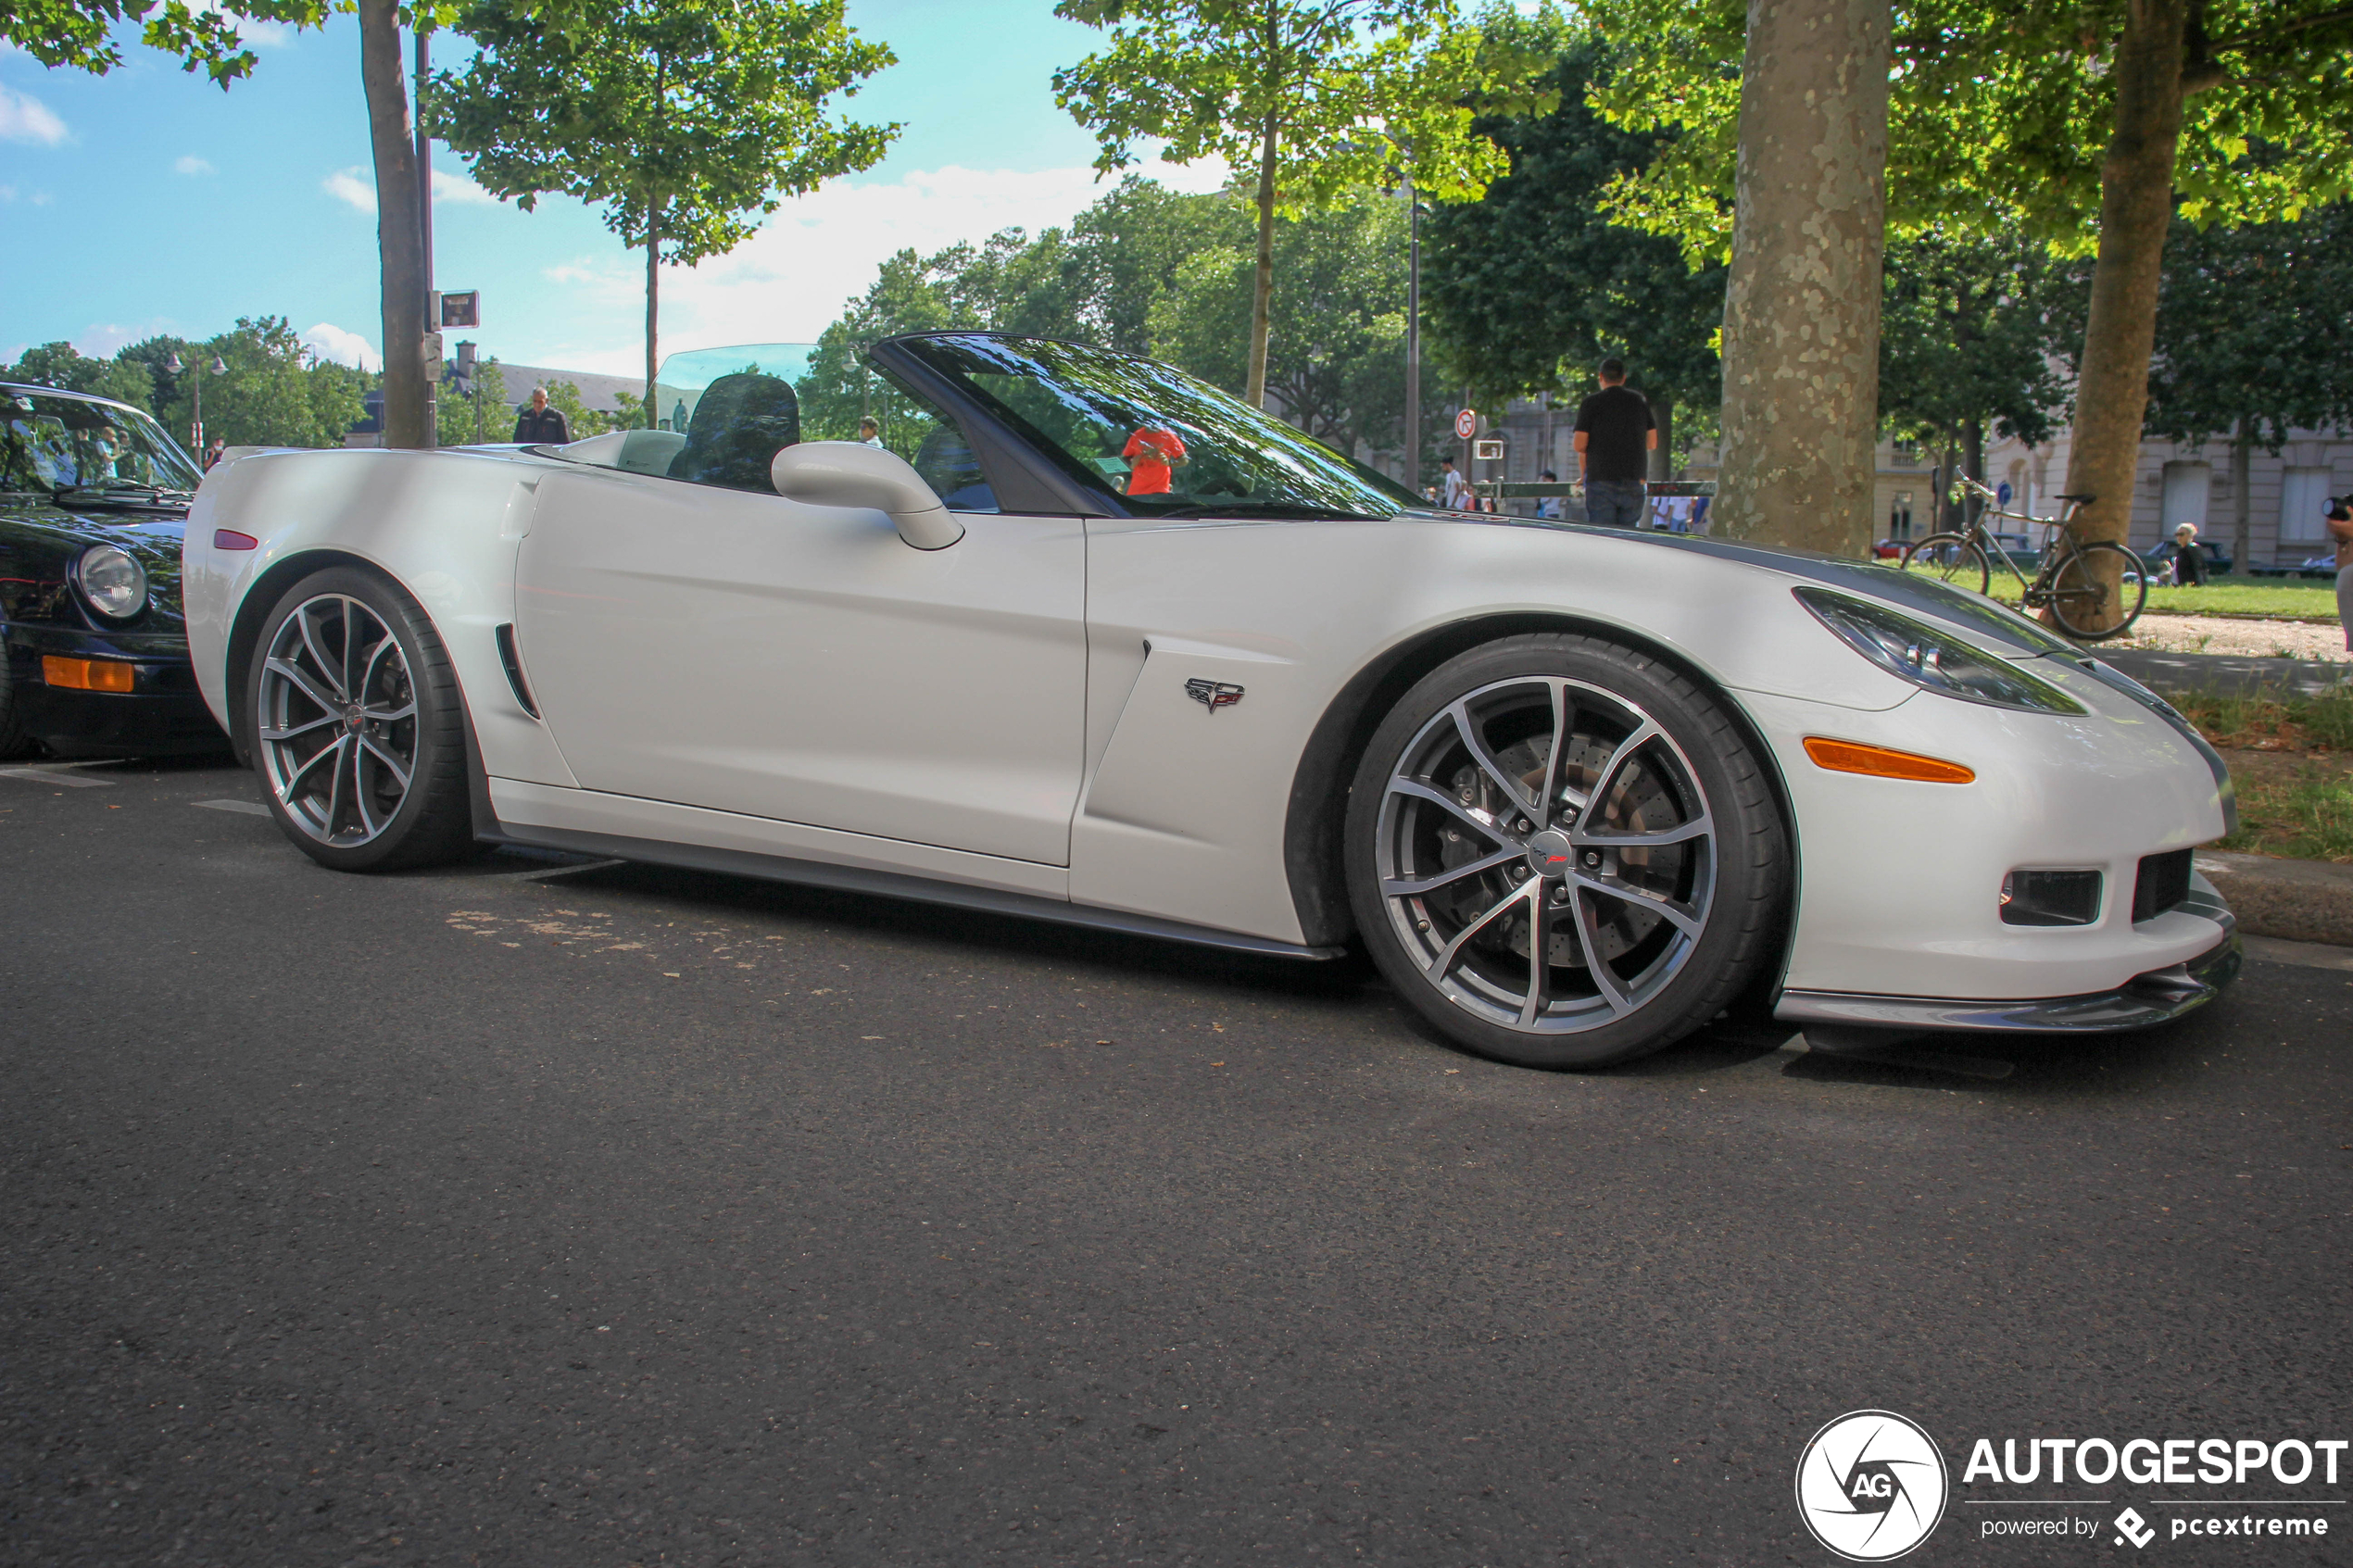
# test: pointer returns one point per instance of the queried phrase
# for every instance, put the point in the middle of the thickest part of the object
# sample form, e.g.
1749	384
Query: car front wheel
353	716
1563	853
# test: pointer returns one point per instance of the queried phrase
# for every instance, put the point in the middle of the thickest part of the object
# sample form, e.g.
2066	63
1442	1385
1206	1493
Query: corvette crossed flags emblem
1212	694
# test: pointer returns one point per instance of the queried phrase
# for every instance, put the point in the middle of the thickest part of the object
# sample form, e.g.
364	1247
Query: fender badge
1212	694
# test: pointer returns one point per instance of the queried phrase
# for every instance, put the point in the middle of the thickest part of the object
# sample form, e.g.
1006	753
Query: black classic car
93	496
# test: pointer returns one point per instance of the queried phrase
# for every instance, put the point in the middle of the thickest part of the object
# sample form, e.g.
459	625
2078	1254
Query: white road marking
247	807
53	775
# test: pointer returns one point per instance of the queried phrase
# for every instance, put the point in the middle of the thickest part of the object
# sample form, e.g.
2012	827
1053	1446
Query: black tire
1684	924
293	716
1952	557
2083	603
14	743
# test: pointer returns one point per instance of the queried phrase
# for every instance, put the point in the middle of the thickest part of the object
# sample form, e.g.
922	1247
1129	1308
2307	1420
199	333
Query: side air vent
507	657
2164	881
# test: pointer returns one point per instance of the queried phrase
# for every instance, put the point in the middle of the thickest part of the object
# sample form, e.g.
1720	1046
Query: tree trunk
1263	291
399	247
653	308
1973	464
1662	416
1802	306
2242	480
2136	206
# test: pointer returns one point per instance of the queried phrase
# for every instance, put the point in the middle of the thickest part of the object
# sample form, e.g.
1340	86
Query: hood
38	542
1992	626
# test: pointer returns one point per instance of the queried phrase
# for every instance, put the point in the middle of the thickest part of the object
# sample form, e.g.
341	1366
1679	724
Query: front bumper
2157	997
162	715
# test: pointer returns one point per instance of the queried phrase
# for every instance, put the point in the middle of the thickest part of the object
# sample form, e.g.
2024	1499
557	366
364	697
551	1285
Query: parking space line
247	807
2306	955
56	776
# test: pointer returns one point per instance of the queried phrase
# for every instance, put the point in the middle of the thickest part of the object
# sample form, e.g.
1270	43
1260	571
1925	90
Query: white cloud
26	119
789	281
357	187
330	342
447	187
345	185
192	164
100	342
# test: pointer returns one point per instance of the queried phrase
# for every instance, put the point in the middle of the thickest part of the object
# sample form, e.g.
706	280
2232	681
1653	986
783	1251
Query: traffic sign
2002	494
1486	451
1467	423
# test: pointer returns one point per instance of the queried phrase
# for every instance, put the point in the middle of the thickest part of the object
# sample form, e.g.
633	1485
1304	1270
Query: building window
2187	488
1899	516
2304	500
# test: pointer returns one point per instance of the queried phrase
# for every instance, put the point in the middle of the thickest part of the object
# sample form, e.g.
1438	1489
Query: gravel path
2243	639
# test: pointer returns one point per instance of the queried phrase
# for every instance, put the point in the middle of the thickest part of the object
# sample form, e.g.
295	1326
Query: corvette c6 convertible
1091	641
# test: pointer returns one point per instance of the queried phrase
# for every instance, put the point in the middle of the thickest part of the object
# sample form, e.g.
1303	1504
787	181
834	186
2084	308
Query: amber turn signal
87	674
1879	762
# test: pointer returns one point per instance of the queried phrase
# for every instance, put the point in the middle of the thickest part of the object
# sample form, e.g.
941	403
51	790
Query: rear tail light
2051	897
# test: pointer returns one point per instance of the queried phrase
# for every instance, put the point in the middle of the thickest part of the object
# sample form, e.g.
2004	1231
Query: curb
2298	900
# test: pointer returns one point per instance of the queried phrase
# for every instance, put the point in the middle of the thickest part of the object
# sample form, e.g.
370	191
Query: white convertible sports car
1094	642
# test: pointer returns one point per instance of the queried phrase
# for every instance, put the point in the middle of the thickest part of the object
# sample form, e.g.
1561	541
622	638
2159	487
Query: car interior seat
741	423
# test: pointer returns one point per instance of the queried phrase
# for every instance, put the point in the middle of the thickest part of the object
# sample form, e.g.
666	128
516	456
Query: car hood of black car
39	540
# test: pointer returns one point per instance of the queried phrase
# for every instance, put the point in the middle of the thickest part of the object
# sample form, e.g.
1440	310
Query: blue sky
148	200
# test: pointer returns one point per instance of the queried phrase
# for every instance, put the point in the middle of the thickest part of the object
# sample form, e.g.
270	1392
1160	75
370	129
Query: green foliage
1337	351
1532	286
1349	91
1305	101
1965	328
79	34
466	418
274	392
1149	270
2236	598
689	119
2253	324
62	365
2000	114
155	354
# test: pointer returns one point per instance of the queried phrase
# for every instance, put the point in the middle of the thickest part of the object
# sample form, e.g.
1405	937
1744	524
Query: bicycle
2074	582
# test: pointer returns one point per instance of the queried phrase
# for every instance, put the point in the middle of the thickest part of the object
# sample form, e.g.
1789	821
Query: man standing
540	425
1615	438
868	433
1454	490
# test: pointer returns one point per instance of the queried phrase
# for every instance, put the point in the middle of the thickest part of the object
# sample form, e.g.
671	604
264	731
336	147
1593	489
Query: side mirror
849	473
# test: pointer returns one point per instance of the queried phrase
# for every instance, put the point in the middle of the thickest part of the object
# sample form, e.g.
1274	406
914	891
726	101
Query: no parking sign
1467	423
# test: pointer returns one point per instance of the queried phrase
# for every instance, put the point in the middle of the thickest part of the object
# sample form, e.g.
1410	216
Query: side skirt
888	885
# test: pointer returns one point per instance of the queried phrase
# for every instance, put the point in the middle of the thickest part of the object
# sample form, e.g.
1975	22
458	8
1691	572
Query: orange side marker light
87	674
1884	762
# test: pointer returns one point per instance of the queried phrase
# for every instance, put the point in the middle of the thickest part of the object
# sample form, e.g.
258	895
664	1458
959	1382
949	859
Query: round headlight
114	584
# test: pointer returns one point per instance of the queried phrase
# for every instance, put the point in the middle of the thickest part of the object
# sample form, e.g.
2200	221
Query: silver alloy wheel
1546	854
337	721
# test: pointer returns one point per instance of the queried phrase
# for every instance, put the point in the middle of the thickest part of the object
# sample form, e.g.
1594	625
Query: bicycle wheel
1951	558
2097	592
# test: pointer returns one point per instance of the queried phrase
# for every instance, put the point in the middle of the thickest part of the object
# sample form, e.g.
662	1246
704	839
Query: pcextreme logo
1871	1486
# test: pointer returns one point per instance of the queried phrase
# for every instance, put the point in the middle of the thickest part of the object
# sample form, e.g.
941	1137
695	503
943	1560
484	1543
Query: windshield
1160	441
49	443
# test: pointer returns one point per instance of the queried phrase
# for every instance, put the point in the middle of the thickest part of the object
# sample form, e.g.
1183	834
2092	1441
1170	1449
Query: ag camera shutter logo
1871	1486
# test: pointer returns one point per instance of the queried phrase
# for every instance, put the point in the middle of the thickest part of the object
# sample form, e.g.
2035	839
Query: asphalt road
629	1217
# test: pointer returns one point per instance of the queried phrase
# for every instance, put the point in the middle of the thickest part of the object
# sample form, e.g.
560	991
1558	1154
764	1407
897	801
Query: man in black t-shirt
1615	438
540	425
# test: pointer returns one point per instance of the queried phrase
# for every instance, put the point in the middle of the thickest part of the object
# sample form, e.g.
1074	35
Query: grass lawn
2292	760
2249	599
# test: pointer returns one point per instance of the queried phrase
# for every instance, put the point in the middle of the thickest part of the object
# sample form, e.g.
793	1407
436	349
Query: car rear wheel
354	720
1564	854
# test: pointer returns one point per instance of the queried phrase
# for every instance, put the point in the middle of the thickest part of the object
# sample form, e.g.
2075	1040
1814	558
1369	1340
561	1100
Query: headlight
112	581
1915	651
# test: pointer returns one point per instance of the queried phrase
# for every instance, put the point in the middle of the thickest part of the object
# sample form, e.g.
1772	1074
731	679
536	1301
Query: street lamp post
196	392
425	235
1413	339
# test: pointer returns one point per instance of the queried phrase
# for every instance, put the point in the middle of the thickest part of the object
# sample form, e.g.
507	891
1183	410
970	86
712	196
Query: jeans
2344	603
1616	503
